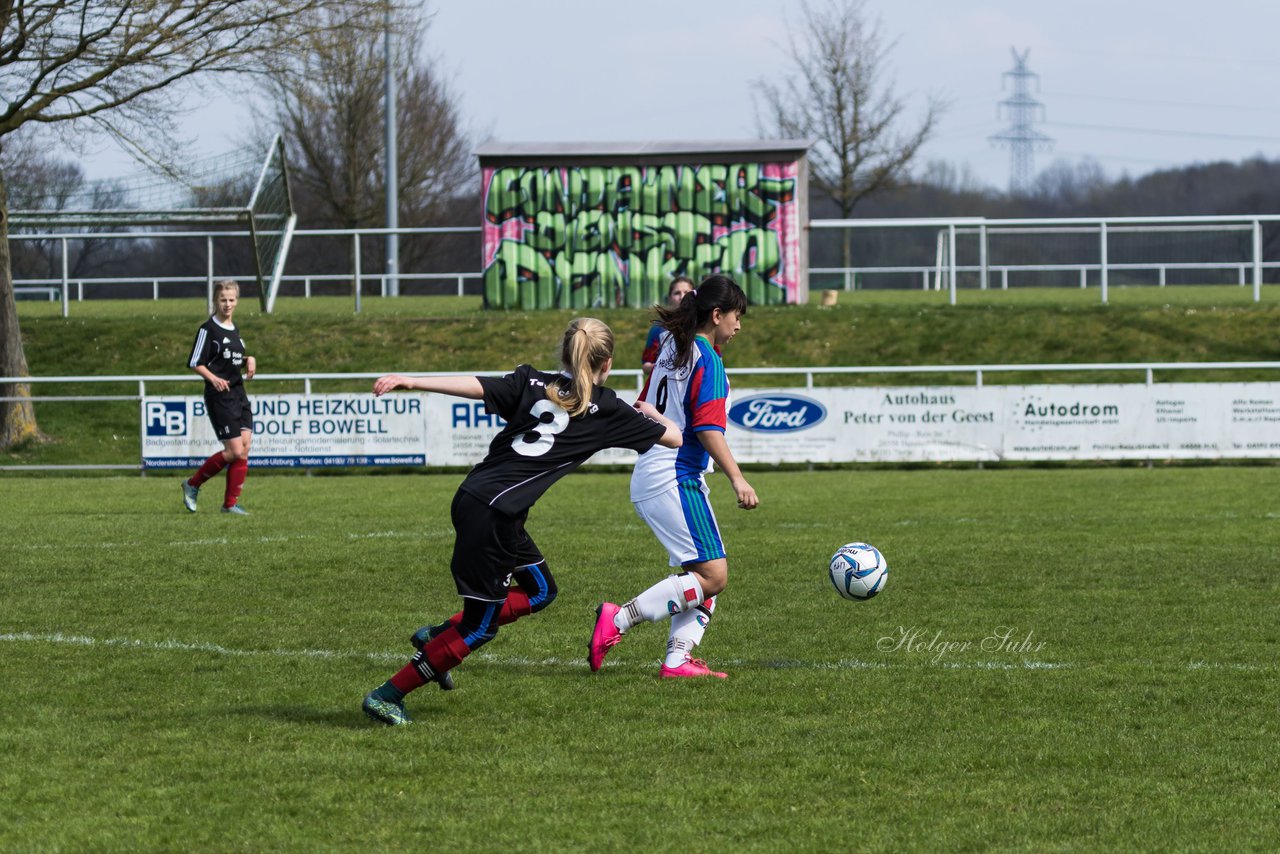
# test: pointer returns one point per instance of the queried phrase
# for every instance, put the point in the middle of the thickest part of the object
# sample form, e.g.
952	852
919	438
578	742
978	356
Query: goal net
271	223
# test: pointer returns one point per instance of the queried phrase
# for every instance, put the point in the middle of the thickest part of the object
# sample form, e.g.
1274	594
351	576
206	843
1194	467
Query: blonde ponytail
588	345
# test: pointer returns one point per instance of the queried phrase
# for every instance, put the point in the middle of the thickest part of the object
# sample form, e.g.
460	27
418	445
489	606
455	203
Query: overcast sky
1133	84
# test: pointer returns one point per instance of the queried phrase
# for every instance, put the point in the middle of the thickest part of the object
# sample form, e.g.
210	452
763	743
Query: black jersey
219	349
541	443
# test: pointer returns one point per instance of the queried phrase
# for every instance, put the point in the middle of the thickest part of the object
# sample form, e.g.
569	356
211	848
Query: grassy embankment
114	338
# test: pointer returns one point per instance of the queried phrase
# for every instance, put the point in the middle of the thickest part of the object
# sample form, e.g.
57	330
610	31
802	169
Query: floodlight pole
392	177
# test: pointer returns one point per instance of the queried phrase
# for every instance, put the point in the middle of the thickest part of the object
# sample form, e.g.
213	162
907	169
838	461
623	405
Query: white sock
674	594
687	629
679	650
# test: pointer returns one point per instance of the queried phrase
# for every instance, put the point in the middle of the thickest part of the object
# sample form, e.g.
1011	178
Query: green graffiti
549	232
513	277
590	231
616	235
757	260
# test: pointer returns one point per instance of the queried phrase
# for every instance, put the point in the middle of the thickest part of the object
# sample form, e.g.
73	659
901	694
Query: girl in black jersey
555	421
219	356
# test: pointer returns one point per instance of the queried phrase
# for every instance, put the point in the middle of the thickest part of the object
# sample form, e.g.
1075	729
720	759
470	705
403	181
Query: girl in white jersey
688	386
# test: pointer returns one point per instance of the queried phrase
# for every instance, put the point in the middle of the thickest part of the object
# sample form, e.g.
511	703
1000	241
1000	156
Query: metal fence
356	282
145	385
952	254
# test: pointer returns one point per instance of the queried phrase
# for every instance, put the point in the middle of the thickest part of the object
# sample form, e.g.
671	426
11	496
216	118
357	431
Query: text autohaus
914	399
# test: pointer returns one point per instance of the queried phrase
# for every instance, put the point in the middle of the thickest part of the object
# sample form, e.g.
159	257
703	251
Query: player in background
555	421
689	386
679	286
219	356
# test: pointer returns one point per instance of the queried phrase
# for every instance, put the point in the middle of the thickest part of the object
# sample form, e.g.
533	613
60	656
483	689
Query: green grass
1190	296
866	328
177	681
185	308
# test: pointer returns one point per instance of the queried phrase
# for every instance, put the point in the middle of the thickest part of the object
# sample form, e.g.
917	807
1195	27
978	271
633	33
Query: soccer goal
268	216
271	223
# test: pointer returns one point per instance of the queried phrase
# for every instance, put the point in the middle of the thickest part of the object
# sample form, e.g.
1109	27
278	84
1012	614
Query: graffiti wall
574	237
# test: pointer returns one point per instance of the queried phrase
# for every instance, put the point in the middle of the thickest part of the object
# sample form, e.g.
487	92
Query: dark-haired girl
689	386
679	286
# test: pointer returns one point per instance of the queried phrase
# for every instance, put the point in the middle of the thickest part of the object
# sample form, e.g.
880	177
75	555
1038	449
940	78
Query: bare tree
44	182
1069	185
115	63
839	97
329	98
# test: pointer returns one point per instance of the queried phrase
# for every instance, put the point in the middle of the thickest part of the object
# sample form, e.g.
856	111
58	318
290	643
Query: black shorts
229	412
489	546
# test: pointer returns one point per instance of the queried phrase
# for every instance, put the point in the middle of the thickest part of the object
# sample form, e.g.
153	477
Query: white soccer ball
858	571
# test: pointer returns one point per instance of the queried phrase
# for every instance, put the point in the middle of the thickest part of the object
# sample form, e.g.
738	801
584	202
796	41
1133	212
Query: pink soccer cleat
603	636
692	667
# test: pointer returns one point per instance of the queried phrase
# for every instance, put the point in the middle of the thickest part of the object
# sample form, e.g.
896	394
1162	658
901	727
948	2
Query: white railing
979	373
945	267
62	285
932	278
53	288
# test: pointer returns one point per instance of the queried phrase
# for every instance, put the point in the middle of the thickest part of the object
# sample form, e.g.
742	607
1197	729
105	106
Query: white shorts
682	520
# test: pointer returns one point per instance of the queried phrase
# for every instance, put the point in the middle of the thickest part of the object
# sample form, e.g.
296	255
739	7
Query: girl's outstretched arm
458	386
670	439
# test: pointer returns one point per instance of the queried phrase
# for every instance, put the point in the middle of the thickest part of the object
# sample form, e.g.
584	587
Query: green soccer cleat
385	711
235	510
189	495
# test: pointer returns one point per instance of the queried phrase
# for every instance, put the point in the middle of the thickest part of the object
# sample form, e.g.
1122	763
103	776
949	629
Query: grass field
1062	660
446	306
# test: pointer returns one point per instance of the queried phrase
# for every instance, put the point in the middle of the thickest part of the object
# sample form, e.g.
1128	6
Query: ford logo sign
776	413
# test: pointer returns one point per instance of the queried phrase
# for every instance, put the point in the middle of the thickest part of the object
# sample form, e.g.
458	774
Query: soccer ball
858	571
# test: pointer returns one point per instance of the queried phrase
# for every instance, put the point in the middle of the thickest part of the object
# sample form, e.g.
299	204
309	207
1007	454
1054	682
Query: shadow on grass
349	717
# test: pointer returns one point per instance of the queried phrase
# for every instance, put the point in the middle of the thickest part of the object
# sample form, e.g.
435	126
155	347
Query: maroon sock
408	679
235	482
446	650
515	607
211	466
443	652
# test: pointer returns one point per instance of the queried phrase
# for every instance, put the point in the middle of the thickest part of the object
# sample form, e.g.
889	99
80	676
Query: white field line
554	661
60	638
503	660
218	541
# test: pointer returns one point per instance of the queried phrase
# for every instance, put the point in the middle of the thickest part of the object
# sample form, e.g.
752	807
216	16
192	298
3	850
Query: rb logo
166	419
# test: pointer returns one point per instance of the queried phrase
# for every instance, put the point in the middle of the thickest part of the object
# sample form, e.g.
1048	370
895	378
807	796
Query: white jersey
695	397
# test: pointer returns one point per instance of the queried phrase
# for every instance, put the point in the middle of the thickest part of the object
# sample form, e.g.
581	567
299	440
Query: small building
577	225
